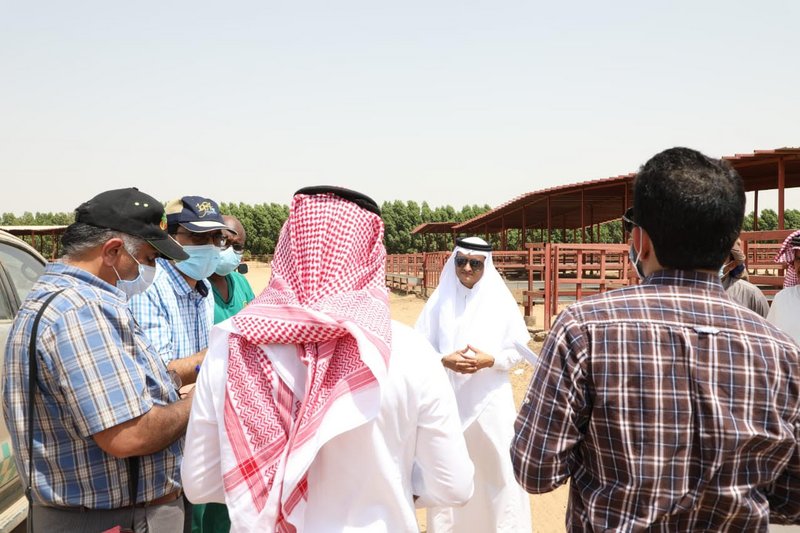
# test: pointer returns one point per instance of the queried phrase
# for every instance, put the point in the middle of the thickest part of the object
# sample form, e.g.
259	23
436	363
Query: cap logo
163	223
205	208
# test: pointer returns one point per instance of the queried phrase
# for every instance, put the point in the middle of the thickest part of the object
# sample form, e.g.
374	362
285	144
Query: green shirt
240	294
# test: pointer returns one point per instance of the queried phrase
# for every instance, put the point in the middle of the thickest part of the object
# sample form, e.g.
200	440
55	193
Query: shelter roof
33	230
606	199
433	227
759	170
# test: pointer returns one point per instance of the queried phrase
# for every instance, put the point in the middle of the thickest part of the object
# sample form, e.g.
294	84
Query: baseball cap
195	213
135	213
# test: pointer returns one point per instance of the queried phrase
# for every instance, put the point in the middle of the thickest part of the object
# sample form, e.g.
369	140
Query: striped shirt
670	407
175	317
96	371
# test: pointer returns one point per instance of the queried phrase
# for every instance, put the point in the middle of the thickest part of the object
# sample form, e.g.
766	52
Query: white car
20	267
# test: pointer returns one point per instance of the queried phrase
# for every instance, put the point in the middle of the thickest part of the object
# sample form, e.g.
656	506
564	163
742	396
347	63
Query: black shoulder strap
32	375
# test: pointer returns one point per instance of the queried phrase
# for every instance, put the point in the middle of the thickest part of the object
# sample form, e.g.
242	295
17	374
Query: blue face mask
202	262
229	259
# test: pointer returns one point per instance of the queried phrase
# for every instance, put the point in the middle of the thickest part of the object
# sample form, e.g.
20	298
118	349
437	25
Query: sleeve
443	471
773	317
760	304
96	371
554	411
516	332
784	494
152	317
248	290
201	469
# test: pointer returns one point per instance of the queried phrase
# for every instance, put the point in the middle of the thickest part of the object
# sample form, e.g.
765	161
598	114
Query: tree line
263	223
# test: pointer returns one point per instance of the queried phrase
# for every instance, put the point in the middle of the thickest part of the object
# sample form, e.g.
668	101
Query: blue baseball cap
196	214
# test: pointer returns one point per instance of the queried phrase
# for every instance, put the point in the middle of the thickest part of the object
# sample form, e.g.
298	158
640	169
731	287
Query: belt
161	500
166	498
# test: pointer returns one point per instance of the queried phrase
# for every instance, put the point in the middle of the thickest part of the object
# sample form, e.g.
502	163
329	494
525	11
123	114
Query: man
232	291
176	312
666	405
734	280
475	325
785	310
102	393
314	411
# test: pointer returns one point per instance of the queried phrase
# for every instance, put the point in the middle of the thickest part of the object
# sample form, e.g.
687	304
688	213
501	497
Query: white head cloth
486	317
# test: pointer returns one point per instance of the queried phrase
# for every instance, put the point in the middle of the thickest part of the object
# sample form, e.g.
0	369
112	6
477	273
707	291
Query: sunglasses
627	220
474	264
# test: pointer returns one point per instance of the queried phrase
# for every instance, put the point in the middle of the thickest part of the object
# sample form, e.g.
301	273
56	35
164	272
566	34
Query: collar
59	268
178	282
685	278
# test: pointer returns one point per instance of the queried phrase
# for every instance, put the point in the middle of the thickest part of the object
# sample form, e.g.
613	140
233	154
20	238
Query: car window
23	268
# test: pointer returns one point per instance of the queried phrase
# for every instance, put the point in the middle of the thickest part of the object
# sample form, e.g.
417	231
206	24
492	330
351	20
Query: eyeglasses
238	248
198	239
474	264
627	221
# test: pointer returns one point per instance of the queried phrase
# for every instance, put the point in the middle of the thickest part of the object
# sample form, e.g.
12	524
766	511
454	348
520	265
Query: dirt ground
547	510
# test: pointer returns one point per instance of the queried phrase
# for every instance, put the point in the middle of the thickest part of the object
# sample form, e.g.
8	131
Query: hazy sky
452	102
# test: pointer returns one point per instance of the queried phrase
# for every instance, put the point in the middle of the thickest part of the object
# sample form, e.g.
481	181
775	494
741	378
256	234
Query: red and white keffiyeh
328	296
786	255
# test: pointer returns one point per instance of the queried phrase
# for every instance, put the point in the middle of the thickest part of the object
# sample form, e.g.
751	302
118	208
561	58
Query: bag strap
32	375
133	486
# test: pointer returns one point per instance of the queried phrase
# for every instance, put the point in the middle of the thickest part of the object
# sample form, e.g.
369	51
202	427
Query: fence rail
555	274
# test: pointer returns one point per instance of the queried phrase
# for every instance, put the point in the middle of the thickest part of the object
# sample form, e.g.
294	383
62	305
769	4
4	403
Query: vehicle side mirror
242	268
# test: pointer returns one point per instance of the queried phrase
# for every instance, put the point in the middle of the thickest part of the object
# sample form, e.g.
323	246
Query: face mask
202	262
132	287
723	267
636	260
229	259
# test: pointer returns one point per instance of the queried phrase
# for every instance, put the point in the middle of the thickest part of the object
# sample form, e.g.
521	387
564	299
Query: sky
449	102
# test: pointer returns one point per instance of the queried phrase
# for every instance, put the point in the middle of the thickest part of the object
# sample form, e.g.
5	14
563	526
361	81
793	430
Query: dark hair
79	238
691	206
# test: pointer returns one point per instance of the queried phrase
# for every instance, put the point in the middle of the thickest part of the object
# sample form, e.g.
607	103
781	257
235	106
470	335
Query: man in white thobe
475	325
313	410
785	310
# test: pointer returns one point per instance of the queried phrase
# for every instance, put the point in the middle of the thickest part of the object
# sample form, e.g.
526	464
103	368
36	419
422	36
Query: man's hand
459	362
481	358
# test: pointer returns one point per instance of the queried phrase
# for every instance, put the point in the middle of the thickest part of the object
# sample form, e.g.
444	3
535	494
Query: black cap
135	213
361	200
195	213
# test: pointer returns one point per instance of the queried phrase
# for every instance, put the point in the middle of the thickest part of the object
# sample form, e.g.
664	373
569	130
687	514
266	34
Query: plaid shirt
670	407
96	371
175	317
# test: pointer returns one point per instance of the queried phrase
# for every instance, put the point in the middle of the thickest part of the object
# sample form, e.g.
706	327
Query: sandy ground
547	510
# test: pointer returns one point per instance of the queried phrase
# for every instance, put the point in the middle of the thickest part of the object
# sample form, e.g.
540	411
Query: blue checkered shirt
175	317
96	371
669	407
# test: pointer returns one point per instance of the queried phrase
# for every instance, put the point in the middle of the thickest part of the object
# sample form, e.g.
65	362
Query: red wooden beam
781	187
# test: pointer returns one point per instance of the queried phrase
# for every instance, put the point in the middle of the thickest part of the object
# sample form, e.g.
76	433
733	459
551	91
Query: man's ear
111	251
643	240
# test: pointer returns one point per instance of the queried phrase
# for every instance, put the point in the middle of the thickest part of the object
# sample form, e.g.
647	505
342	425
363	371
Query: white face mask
132	287
636	259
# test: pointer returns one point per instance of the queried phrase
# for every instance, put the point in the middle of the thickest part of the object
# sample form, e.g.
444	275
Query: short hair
691	206
80	237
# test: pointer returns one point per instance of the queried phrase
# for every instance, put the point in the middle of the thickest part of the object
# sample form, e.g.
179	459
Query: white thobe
364	479
486	406
785	311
